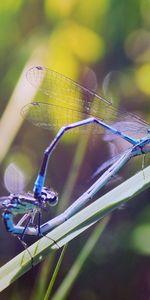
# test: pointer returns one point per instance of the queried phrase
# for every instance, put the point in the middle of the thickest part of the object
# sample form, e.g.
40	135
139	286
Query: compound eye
49	196
52	200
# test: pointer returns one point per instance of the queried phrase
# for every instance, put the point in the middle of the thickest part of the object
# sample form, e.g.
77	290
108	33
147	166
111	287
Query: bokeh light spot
58	9
142	77
140	239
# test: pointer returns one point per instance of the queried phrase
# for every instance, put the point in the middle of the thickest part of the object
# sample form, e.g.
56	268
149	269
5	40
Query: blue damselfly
61	93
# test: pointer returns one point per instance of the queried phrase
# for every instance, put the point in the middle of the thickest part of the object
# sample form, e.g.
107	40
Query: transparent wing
106	165
60	101
55	86
14	179
50	116
131	123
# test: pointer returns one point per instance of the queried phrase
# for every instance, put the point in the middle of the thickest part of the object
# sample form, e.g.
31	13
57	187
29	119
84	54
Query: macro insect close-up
39	113
75	143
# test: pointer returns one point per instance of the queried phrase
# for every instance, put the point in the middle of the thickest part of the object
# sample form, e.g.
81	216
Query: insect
68	94
25	204
85	107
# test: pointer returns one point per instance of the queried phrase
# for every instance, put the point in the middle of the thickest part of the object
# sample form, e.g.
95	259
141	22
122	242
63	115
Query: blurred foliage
103	44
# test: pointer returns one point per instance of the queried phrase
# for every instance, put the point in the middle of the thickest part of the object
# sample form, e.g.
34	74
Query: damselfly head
49	196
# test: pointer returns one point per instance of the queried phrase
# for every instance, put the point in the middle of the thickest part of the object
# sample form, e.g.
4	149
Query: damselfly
59	92
20	203
63	93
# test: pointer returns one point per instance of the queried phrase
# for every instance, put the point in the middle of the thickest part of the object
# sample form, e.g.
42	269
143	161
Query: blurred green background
103	44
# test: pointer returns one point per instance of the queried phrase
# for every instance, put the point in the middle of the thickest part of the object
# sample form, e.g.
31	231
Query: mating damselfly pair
82	107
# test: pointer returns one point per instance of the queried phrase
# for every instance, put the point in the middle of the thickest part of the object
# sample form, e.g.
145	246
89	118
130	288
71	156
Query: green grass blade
51	284
67	283
40	283
73	227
